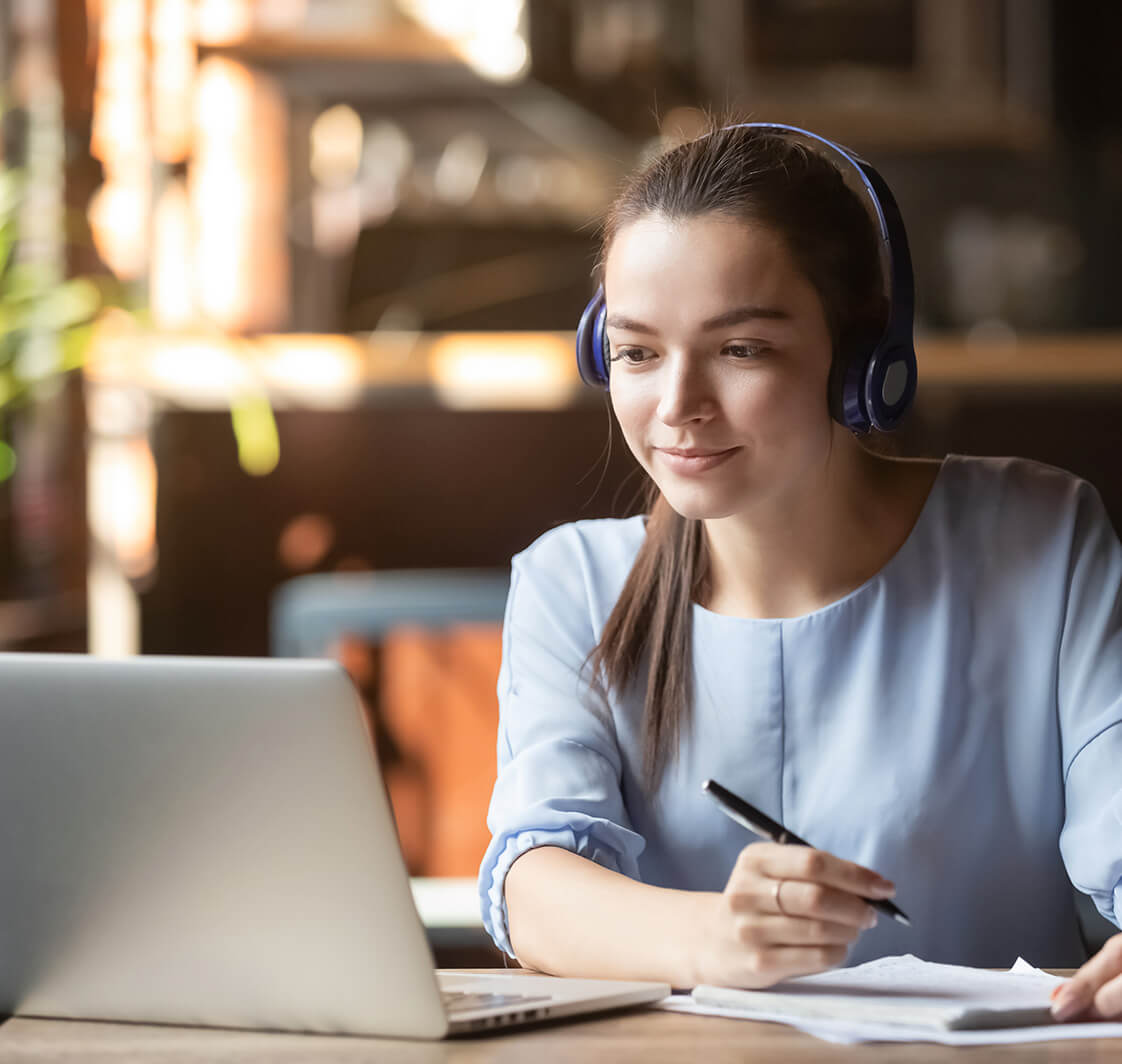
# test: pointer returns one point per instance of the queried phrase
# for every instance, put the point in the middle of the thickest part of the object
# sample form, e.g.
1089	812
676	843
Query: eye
743	350
633	356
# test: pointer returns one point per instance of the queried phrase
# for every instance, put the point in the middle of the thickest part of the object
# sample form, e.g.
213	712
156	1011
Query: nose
685	394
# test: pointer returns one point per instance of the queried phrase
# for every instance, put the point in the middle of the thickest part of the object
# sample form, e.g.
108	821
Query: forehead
709	257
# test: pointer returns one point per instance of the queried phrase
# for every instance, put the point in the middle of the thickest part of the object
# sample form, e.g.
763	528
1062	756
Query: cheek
759	402
797	397
632	413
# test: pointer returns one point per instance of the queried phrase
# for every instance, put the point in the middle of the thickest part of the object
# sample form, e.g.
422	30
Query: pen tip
900	918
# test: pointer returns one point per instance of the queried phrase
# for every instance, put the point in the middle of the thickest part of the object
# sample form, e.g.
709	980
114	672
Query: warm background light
121	139
311	370
122	502
336	145
223	21
173	74
526	370
238	190
171	288
490	36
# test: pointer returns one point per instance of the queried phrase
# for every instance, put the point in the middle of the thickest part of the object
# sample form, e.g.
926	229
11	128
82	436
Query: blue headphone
871	384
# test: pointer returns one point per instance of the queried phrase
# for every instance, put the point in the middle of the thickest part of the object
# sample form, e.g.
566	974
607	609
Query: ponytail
652	619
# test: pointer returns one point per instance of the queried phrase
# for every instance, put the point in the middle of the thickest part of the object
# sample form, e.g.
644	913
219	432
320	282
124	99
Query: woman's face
720	357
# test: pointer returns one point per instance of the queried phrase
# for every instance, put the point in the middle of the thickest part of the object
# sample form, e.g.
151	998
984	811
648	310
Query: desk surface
639	1035
646	1036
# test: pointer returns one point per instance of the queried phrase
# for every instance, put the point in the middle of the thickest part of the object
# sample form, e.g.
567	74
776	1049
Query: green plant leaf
255	431
25	282
13	318
74	343
7	461
7	244
34	297
72	303
12	389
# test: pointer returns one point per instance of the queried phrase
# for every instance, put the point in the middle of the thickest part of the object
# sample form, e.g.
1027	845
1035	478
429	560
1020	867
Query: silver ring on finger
775	894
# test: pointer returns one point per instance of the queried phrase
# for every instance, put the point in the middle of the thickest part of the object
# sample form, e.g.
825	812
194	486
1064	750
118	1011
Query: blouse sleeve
1090	707
559	765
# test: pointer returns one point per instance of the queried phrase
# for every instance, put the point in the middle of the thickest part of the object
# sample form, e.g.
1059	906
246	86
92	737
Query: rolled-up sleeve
1090	704
558	779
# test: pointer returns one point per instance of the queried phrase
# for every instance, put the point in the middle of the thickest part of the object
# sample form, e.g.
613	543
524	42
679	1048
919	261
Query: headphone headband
870	387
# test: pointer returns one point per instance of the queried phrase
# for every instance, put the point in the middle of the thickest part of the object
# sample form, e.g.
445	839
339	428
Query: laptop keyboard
465	1000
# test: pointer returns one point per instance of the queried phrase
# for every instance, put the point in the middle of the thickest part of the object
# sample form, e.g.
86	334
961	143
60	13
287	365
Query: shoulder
1015	488
1010	501
580	566
603	542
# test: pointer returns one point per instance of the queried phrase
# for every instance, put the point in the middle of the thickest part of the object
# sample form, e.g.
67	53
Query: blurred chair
423	647
310	613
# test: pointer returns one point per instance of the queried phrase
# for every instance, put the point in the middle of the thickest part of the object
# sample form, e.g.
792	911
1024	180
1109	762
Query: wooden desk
643	1035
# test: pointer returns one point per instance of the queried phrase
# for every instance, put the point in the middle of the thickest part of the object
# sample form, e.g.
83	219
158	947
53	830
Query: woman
916	665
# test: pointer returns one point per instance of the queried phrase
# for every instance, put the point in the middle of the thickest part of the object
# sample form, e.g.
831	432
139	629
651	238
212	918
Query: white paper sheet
913	983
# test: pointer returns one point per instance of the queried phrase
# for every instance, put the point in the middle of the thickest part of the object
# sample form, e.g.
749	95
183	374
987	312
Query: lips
692	460
694	452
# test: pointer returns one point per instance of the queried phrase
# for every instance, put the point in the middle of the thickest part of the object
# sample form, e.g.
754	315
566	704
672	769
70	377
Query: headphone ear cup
872	381
890	385
592	342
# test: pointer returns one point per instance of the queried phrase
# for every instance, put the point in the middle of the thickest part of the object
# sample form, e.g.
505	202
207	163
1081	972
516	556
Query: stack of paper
904	999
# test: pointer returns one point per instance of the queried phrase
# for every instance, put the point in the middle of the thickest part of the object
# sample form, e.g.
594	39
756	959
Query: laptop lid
202	841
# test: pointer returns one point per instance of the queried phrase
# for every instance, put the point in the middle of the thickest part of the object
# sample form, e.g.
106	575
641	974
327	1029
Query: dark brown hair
765	178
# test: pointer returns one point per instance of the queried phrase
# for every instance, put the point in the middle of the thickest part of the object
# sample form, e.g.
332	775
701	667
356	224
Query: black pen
759	823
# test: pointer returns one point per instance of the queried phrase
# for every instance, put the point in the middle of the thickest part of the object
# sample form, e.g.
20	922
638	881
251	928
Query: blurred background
288	291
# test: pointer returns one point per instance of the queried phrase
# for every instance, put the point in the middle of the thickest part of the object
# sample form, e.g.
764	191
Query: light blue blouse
954	723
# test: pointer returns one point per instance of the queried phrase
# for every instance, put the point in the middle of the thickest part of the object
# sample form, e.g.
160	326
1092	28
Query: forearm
570	916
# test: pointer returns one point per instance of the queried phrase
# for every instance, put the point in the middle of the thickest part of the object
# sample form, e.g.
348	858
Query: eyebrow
730	317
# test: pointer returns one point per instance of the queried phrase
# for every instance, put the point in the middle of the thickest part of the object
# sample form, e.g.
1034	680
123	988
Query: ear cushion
889	384
592	342
871	385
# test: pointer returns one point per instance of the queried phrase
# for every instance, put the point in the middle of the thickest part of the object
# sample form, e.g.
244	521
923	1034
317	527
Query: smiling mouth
680	460
693	452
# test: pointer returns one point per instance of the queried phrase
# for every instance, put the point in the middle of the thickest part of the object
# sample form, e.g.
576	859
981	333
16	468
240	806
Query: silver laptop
208	841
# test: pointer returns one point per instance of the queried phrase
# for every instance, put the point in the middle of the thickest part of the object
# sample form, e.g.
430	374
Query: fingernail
1055	990
882	888
870	919
1067	1003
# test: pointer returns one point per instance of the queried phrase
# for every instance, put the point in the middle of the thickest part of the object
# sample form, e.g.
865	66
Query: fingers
797	881
817	866
1095	991
790	910
815	901
1108	999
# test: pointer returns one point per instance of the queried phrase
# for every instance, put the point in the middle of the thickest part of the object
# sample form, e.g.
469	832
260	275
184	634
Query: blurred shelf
1073	361
405	64
500	370
909	121
400	42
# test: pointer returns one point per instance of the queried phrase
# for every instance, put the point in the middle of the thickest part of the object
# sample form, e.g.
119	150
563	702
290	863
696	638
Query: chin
698	506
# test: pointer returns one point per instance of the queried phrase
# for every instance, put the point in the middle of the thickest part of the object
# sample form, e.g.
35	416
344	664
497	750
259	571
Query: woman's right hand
785	911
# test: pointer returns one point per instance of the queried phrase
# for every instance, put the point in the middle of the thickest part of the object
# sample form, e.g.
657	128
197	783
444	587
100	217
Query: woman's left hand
1095	991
